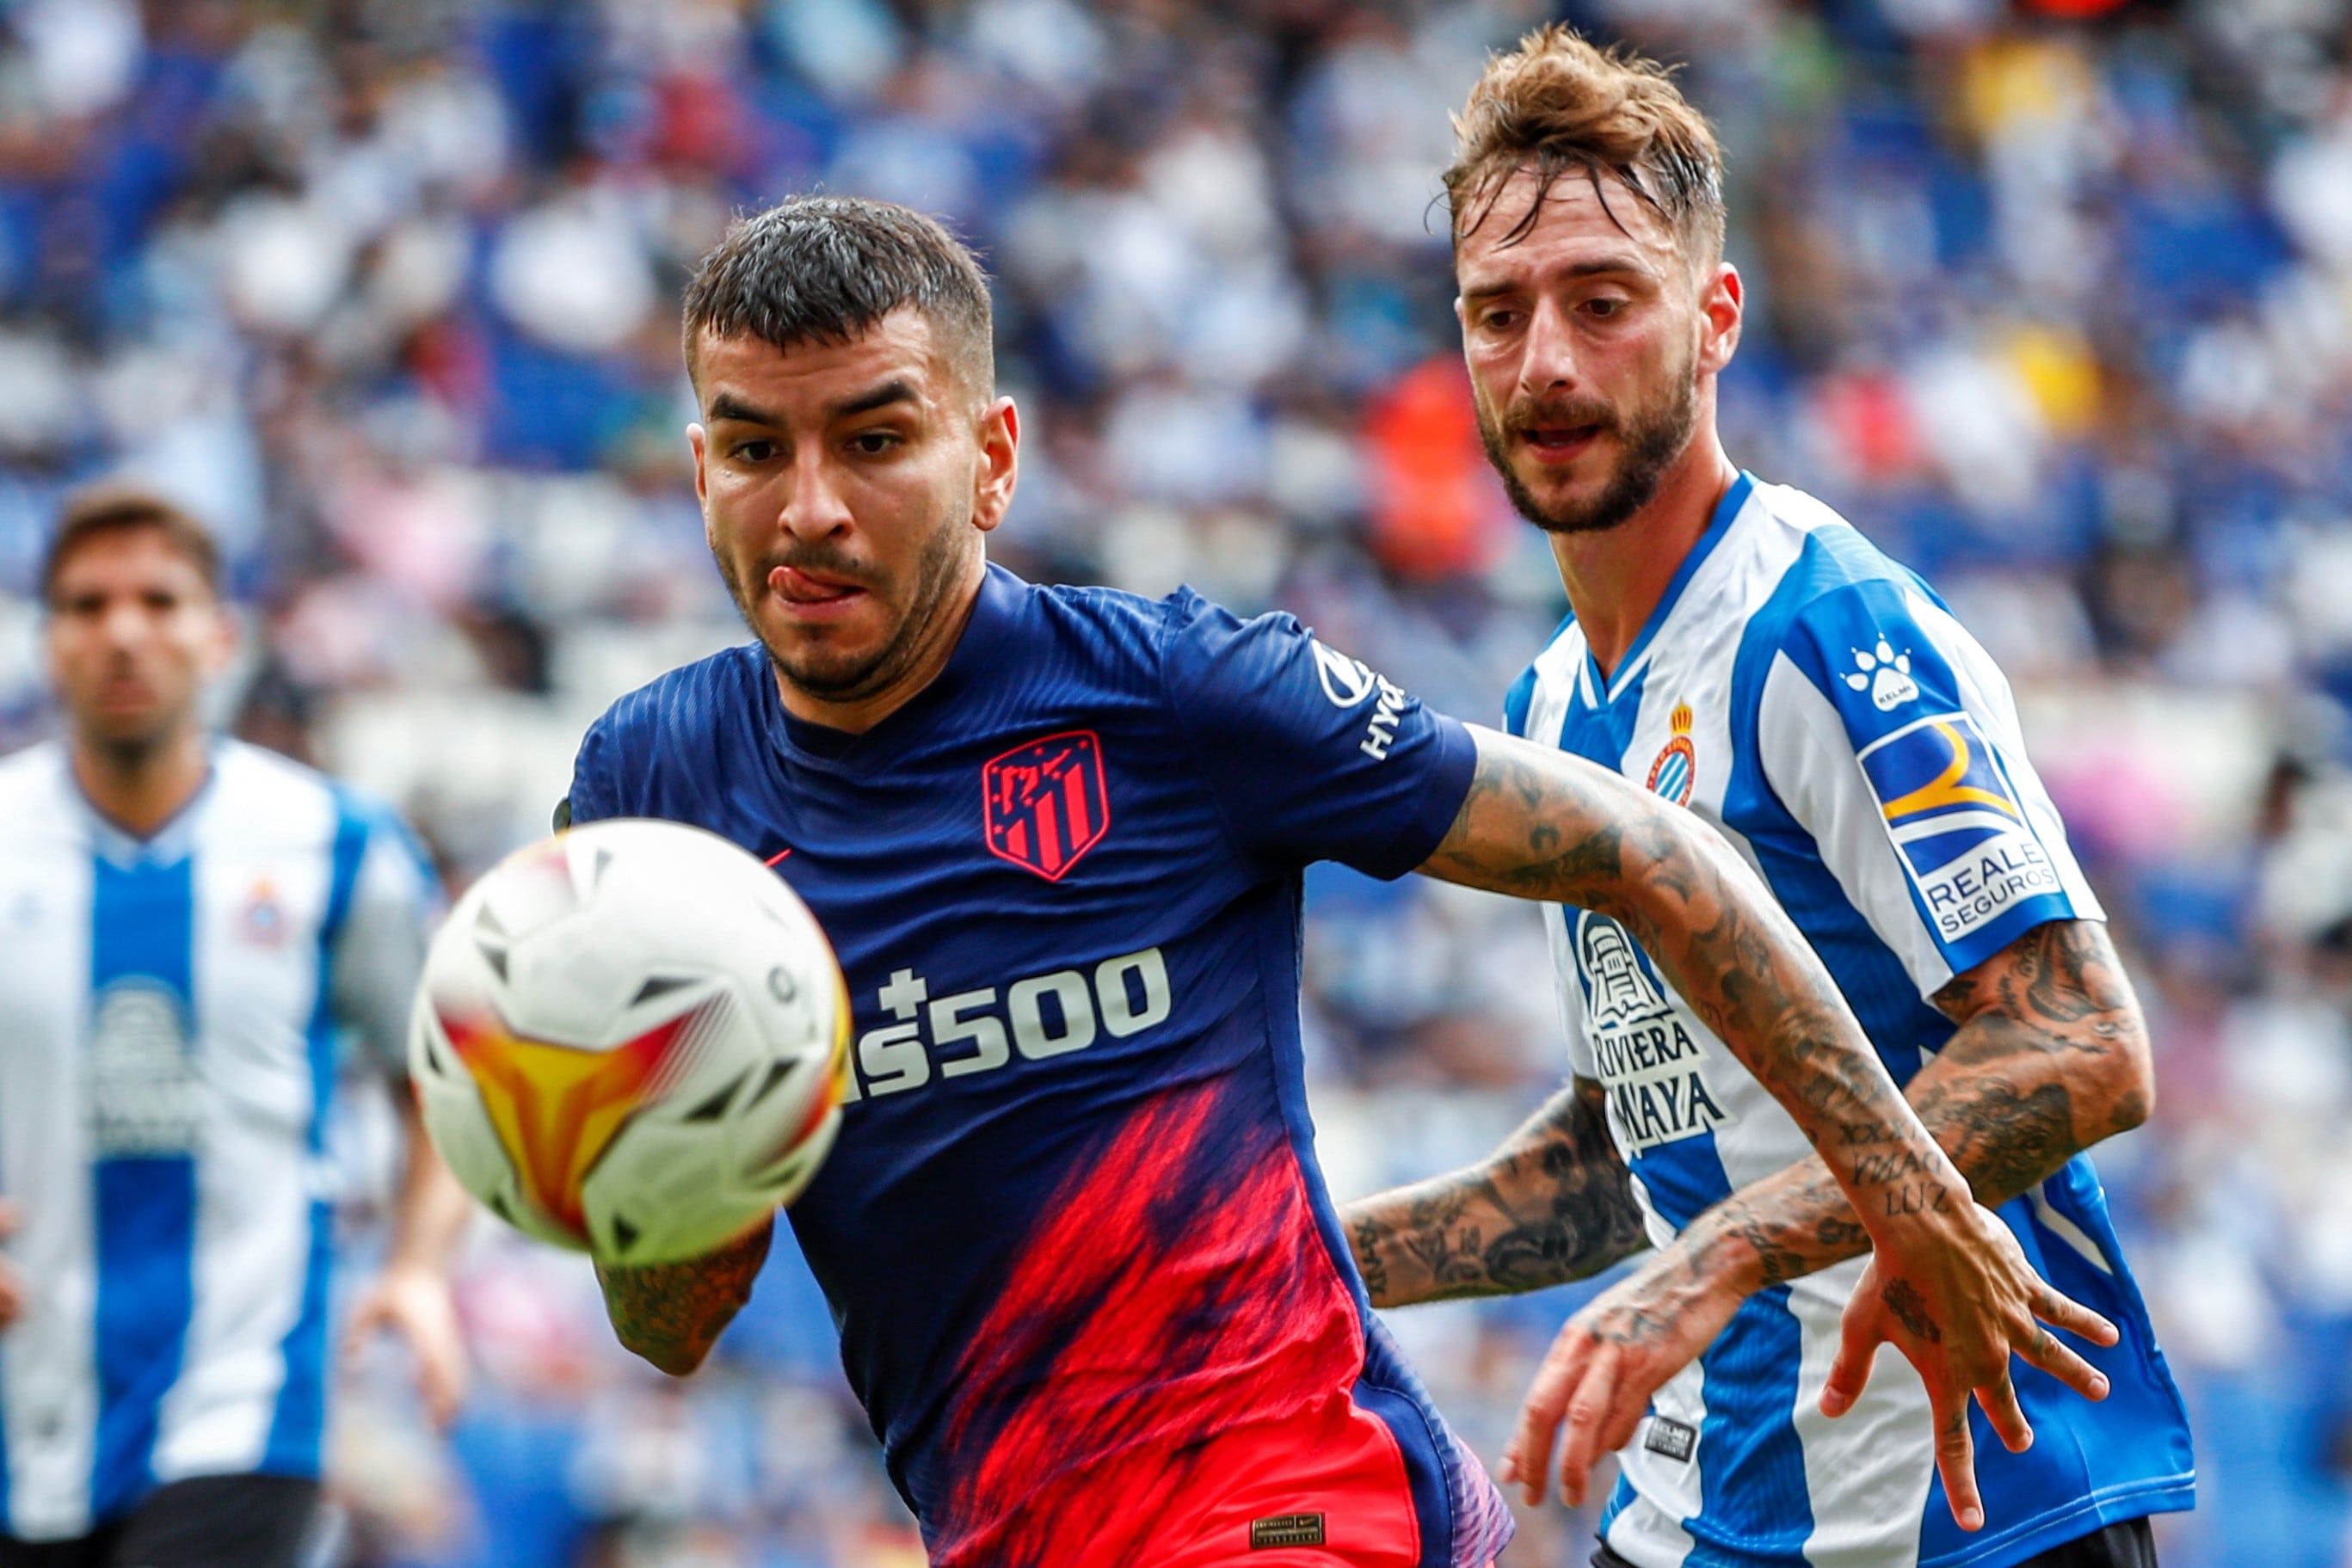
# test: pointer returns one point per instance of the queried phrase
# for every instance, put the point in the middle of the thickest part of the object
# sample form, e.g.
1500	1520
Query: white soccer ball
632	1039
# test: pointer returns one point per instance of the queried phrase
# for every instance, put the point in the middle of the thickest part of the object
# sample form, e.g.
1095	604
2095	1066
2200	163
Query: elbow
675	1362
670	1356
1666	856
2132	1073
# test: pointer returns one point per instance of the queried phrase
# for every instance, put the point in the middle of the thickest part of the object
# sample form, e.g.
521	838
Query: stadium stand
2057	307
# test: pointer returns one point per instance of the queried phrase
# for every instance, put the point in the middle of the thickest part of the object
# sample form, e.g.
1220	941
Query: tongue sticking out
803	588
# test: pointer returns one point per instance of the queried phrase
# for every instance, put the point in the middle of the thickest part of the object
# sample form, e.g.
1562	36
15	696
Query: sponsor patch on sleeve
1958	826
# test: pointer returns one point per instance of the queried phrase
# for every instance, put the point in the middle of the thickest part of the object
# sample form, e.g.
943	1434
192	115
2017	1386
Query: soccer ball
632	1039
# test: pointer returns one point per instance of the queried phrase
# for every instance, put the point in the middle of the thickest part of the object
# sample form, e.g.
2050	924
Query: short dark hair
1558	104
114	507
827	269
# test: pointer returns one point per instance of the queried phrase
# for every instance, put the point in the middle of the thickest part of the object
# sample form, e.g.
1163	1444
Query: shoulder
1116	642
256	778
35	797
265	792
31	775
685	701
1105	627
673	745
1865	633
1832	587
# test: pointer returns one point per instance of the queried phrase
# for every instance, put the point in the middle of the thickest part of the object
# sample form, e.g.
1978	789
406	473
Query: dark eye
1501	320
754	451
1605	306
874	442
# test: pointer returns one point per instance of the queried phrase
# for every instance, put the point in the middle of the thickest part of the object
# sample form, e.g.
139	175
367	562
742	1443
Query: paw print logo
1886	675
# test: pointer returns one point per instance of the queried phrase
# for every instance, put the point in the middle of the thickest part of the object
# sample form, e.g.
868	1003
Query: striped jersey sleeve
395	899
1893	740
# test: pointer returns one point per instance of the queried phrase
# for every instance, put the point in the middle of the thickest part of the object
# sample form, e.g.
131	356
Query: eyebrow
728	406
895	390
1607	266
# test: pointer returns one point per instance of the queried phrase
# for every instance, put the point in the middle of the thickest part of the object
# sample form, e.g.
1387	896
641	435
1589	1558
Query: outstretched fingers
1999	1398
1589	1420
1956	1457
1861	1333
2061	1310
2053	1356
1527	1460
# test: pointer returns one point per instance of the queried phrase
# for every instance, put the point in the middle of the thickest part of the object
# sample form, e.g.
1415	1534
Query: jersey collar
172	841
1727	511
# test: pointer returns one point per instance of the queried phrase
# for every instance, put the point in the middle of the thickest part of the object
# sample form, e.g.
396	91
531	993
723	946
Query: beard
826	674
1650	439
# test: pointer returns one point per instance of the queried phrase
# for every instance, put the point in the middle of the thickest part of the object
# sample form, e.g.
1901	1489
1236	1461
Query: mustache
1525	415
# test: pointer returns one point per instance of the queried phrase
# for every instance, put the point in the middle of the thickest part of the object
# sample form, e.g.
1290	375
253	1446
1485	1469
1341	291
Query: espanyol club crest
1044	803
263	920
1675	772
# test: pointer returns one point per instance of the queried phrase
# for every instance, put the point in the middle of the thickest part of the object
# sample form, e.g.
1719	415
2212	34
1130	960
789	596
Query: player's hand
415	1304
1957	1312
12	1284
1601	1372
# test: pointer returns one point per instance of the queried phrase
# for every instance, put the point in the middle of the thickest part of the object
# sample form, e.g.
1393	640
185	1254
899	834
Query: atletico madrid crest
1044	803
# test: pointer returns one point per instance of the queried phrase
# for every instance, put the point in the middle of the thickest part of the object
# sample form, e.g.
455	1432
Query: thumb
368	1315
1860	1334
441	1380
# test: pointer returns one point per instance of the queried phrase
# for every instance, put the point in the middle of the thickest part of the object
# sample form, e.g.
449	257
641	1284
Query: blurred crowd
2052	297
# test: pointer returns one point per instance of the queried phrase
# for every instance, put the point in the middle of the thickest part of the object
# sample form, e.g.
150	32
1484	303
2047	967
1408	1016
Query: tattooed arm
670	1313
1542	824
2051	1057
1545	825
1552	1204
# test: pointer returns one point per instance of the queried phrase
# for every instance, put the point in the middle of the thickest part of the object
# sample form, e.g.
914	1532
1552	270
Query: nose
124	622
1549	361
814	507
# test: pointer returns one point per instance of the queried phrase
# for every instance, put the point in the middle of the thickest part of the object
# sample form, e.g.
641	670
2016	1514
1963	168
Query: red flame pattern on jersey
1177	1289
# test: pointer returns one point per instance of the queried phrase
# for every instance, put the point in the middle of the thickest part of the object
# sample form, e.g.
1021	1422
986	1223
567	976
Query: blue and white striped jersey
1819	705
169	1017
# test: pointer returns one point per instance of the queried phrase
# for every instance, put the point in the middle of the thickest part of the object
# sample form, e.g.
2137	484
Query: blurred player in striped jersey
1736	647
187	924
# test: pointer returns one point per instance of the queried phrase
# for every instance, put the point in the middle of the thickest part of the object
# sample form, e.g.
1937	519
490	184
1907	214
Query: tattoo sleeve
1553	1204
1542	824
671	1313
2050	1057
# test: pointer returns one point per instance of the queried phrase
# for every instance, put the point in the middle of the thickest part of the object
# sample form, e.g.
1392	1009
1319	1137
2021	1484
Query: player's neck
858	714
1615	577
141	786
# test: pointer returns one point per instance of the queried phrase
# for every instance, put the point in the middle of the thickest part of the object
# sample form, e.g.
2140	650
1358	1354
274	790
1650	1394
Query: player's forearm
433	1210
1544	825
2053	1061
672	1314
1553	1204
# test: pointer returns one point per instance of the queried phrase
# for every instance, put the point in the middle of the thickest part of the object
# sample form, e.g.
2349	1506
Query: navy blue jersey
1073	1231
